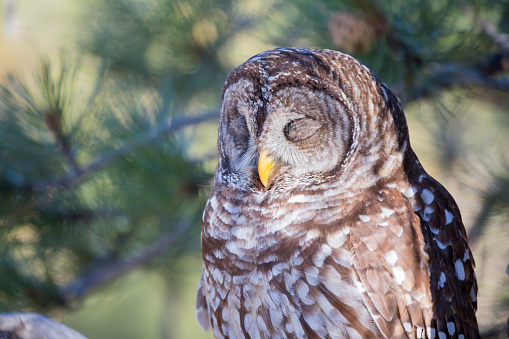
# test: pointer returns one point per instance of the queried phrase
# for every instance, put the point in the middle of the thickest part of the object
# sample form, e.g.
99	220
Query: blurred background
108	126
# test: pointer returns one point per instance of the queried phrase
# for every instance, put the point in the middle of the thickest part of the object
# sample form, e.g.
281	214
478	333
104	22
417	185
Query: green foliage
80	187
104	159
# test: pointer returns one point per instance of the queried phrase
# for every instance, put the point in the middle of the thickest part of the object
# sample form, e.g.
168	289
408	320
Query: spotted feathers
349	237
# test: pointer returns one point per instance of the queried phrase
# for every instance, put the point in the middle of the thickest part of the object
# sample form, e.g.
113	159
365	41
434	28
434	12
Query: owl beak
266	167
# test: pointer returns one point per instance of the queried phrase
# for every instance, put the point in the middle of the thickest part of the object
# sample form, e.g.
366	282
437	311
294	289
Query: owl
321	222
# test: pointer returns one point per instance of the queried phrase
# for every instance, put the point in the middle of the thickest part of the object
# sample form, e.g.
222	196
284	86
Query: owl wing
451	265
399	265
202	307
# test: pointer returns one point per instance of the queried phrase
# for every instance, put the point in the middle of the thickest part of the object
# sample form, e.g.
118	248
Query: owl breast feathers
322	223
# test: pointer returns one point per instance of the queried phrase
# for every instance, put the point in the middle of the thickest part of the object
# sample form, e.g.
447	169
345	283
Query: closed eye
301	129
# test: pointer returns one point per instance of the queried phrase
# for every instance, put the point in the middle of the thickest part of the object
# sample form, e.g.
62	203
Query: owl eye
301	129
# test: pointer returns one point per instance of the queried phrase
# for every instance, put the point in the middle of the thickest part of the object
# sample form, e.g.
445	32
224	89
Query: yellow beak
266	167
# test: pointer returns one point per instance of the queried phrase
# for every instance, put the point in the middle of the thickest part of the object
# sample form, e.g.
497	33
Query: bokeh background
108	126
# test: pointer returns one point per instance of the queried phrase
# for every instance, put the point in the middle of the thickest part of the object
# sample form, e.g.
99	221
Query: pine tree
104	160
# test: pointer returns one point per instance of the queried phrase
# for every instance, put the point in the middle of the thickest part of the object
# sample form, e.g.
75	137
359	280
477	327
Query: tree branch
34	326
110	271
451	75
101	161
500	39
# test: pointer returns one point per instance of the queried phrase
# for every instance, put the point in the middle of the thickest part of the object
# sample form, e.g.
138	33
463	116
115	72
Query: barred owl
322	223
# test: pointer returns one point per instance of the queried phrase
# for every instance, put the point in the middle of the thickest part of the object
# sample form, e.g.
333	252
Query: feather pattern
351	238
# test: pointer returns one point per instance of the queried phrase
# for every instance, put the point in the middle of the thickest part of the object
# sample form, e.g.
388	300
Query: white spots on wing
386	99
278	268
399	274
391	162
217	275
203	214
302	290
451	328
466	256
250	326
399	231
321	255
324	303
340	191
441	335
290	277
407	297
440	244
343	287
419	332
312	275
404	146
235	249
225	315
434	229
391	185
386	212
239	279
355	92
352	333
230	208
312	234
342	257
473	295
298	260
407	326
293	324
383	223
460	269
214	302
209	257
316	320
431	332
267	258
235	317
301	198
441	280
448	217
213	203
276	316
337	238
241	220
427	196
409	191
360	287
333	281
418	296
370	107
245	233
364	218
427	213
262	327
224	327
370	242
391	257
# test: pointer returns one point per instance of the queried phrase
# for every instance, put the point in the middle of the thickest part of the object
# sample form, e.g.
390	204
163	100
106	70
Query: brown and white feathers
322	223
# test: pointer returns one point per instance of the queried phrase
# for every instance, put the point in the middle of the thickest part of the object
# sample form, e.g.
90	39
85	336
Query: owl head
295	117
